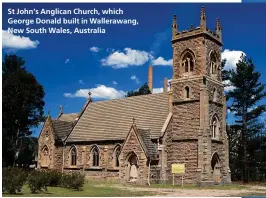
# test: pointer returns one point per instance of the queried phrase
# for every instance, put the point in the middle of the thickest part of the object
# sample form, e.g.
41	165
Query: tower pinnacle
218	28
174	26
203	18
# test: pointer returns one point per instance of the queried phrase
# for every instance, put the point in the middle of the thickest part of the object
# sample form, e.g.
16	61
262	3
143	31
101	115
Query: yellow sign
178	168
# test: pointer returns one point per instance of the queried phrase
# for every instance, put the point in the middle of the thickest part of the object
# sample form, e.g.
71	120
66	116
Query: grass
90	189
109	189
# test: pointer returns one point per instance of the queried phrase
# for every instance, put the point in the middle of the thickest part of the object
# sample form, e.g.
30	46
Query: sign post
178	169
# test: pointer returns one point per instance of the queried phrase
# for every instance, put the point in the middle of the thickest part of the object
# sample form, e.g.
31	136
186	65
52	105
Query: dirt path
170	192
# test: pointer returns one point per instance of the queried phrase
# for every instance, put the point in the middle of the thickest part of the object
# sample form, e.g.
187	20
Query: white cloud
232	57
81	82
95	49
67	61
159	90
12	41
161	61
133	77
100	92
114	82
228	86
129	57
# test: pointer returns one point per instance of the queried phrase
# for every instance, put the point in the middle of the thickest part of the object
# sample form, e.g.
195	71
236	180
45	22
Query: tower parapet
198	31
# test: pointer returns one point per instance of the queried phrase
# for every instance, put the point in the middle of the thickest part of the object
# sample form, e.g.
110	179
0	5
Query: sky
110	64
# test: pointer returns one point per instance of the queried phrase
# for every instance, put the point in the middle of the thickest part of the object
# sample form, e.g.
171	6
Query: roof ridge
129	98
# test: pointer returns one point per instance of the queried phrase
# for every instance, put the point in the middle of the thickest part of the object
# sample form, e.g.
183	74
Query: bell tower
198	135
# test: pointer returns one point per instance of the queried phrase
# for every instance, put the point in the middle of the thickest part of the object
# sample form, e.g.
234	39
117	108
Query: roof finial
134	120
61	109
174	27
89	95
203	18
49	112
191	27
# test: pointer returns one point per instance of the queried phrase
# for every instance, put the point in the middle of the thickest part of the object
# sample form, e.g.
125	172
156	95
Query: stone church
137	139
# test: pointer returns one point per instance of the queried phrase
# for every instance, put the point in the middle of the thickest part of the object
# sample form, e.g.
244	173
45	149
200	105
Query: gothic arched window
45	156
214	65
73	156
95	156
188	62
214	94
186	92
215	127
116	156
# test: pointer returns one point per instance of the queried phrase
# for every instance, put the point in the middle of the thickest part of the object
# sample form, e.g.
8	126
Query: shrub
65	180
54	178
13	179
77	181
38	181
72	180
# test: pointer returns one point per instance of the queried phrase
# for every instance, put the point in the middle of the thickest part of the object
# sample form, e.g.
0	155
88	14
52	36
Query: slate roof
150	146
61	128
112	119
70	117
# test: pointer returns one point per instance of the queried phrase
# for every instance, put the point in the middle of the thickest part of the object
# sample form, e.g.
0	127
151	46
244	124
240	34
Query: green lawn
109	189
89	190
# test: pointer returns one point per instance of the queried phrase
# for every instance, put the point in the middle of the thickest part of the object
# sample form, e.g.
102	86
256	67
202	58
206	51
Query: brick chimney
150	78
165	85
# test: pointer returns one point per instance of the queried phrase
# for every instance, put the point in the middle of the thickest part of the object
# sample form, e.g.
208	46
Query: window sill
44	166
115	169
216	140
94	168
72	167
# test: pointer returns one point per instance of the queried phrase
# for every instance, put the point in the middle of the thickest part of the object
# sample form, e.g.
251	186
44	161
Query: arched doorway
132	167
216	168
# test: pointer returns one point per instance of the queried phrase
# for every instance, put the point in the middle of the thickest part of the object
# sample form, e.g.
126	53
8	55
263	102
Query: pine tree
245	97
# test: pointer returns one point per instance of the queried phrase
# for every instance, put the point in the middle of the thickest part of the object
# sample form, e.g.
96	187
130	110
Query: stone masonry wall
46	139
215	109
212	46
194	89
184	152
219	149
58	157
196	46
186	120
84	156
132	145
219	91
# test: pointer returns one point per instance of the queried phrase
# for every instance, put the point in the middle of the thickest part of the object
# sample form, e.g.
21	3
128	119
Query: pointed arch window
214	65
95	156
188	62
215	127
45	156
73	156
116	156
214	93
186	92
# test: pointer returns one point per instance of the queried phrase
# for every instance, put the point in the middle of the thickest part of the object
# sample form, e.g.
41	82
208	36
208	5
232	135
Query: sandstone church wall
132	146
46	140
192	44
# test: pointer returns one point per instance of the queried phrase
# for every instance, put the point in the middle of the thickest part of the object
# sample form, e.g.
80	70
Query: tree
22	105
245	97
143	90
28	148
